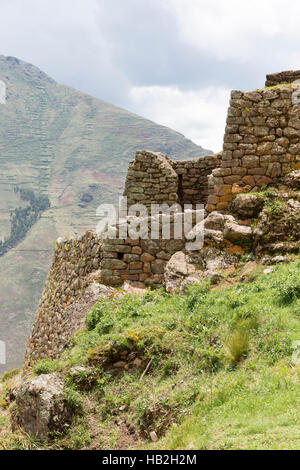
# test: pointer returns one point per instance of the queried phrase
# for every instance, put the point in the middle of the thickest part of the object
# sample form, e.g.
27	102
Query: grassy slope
59	141
221	375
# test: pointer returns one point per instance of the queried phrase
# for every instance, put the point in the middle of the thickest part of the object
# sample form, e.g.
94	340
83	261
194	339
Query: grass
216	369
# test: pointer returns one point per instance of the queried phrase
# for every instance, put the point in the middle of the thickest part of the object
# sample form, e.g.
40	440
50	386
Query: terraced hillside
72	148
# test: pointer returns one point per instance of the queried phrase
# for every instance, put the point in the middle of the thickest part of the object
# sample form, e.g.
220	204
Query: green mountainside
73	149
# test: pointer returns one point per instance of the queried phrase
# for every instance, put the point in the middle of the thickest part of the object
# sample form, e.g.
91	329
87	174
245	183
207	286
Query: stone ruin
261	144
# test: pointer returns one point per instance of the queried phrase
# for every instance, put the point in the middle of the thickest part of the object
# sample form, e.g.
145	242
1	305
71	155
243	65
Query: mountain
67	150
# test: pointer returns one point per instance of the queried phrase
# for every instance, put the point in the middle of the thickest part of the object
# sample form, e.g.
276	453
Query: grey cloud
104	47
116	44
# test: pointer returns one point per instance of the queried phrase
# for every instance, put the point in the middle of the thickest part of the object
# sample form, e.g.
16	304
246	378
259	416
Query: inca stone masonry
261	142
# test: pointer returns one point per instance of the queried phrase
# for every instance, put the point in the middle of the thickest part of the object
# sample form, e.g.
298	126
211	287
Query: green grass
247	409
221	374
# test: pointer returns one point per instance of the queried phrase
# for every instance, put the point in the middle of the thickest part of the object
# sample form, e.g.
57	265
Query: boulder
275	259
213	237
247	205
238	234
292	180
277	231
214	221
177	269
41	407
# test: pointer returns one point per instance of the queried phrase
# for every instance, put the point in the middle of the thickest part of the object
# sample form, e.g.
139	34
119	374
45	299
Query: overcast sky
173	61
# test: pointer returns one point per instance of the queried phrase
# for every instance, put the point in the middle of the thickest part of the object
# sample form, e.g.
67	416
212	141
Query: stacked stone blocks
73	260
155	178
261	142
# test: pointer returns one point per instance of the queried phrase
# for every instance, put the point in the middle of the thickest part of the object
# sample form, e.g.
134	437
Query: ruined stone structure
155	178
280	78
261	143
73	261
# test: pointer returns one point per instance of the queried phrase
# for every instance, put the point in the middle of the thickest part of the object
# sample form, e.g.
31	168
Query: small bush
195	293
79	438
46	366
73	400
95	315
288	290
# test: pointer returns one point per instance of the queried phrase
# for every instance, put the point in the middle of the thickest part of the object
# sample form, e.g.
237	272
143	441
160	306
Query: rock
247	269
153	436
42	407
268	271
238	234
158	266
292	180
137	362
247	205
213	276
275	260
214	221
177	269
119	364
174	245
214	237
192	279
85	378
74	371
218	262
280	259
294	205
86	198
277	231
146	258
11	395
150	246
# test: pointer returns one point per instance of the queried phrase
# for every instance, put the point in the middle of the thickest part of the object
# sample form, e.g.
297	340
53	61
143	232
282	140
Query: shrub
73	400
289	290
95	314
46	366
195	293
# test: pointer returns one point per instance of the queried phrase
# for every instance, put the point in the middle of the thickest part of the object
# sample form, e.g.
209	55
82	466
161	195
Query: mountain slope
75	150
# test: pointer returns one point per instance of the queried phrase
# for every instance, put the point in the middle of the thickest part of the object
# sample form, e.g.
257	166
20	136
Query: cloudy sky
173	61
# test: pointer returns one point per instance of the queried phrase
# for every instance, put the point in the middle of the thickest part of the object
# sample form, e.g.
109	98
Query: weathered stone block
250	161
113	264
42	407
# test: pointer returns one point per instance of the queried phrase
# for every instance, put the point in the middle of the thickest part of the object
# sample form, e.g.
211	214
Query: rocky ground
265	225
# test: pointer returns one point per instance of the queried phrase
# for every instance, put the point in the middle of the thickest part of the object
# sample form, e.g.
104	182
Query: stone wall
155	178
261	142
193	178
282	77
73	260
151	179
141	260
87	261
